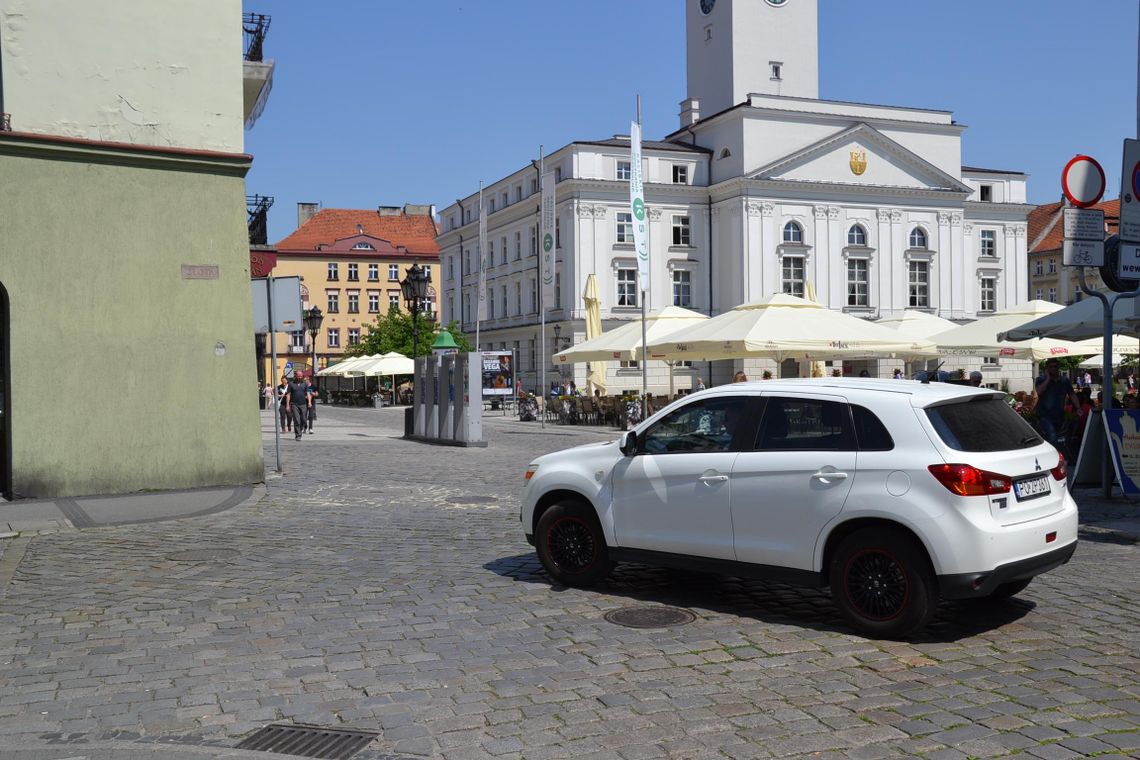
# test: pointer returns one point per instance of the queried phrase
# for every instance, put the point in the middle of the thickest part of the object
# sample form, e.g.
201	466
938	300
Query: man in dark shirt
1053	391
297	404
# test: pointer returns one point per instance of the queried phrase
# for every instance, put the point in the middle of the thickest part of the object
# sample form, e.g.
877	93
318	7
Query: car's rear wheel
571	545
882	583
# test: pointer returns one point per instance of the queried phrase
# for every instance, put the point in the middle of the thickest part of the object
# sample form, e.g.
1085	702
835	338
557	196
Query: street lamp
312	320
414	288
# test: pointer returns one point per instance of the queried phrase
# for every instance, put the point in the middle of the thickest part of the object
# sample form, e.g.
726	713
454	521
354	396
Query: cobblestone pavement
386	585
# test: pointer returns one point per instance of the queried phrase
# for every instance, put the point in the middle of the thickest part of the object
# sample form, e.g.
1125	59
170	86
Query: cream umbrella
1097	362
1079	321
981	337
624	343
391	363
915	324
595	370
347	365
786	327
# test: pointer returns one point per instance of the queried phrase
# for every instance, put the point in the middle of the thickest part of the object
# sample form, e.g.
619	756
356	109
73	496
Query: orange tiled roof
1047	229
416	232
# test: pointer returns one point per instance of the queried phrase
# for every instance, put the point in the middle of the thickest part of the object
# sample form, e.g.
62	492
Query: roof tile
416	232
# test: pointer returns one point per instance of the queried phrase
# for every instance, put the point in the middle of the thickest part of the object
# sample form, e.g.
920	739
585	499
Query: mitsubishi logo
1036	463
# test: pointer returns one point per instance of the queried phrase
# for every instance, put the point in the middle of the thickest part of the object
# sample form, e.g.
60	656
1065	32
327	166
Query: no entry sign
1082	181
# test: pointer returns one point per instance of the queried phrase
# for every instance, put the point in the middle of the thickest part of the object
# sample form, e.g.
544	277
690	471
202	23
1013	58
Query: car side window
702	426
804	424
870	431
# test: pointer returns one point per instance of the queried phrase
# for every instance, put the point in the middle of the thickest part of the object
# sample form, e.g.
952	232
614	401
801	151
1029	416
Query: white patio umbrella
624	343
1097	362
1079	321
980	338
596	370
343	367
391	363
916	324
786	327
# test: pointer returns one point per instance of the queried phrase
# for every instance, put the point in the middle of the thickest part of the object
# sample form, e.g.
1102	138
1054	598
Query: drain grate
202	555
309	741
471	499
650	617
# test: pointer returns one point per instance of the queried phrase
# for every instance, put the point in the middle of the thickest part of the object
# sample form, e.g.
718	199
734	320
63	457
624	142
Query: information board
498	373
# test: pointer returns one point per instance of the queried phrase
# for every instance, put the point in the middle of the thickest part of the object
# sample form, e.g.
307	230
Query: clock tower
737	47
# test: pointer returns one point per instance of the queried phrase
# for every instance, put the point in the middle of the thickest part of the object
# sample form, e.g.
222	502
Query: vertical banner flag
637	205
483	263
546	241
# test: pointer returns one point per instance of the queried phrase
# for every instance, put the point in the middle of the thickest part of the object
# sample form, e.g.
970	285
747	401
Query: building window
506	199
353	336
857	236
518	246
986	193
681	234
680	174
297	340
626	286
393	272
353	272
682	288
503	300
558	290
630	364
624	227
373	272
503	248
533	185
533	355
353	302
534	240
334	301
777	70
792	271
518	298
1052	295
490	253
858	293
793	233
989	243
394	303
534	296
373	302
557	174
363	246
1038	295
557	232
467	262
334	337
989	294
623	170
491	302
1038	267
918	273
333	271
918	238
1052	266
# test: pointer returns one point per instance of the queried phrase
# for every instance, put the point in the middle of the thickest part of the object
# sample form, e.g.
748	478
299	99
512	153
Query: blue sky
386	102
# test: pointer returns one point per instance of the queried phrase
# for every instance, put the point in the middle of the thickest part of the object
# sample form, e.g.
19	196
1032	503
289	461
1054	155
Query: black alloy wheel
876	584
571	545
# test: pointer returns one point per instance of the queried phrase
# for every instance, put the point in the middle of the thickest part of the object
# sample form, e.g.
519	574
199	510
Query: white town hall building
764	188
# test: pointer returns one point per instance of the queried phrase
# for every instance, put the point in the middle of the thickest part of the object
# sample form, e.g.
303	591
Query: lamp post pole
414	288
313	319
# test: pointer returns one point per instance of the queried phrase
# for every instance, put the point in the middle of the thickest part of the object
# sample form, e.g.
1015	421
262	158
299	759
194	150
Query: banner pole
273	351
541	310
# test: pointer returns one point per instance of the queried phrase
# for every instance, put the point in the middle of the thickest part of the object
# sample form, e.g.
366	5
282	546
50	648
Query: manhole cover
650	617
202	555
309	741
471	499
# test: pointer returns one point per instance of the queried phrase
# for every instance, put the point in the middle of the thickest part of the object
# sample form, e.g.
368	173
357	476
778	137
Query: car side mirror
628	443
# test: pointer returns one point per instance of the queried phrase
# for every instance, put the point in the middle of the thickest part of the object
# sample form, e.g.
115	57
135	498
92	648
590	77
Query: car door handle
713	478
830	476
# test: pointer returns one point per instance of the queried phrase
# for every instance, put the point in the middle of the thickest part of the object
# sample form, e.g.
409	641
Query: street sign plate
1083	253
1084	224
1082	181
1130	193
1129	268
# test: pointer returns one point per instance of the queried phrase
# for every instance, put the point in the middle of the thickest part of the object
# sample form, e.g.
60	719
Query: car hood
602	449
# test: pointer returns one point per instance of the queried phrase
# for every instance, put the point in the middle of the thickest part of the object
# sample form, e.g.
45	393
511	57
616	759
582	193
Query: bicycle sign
1083	253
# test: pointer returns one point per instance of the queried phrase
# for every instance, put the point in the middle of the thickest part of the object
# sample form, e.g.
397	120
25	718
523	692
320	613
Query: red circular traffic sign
1082	181
1136	181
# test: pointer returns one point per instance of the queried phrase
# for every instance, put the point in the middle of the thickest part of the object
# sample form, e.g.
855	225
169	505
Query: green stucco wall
116	381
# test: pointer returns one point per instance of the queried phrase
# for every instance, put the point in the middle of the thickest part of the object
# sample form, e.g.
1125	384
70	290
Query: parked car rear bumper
974	585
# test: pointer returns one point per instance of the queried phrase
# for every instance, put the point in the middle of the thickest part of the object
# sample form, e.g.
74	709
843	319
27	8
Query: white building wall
102	70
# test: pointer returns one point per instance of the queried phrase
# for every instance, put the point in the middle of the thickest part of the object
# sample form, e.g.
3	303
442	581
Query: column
943	267
754	247
770	263
820	270
958	285
1010	268
834	295
885	259
899	275
970	296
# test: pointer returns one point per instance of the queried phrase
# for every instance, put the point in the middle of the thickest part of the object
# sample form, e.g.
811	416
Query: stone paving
386	585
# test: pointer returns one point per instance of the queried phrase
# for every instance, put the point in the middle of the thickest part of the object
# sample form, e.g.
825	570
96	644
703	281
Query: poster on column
498	373
1123	429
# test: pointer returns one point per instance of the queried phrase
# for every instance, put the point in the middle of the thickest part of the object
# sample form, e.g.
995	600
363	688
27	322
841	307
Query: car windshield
983	423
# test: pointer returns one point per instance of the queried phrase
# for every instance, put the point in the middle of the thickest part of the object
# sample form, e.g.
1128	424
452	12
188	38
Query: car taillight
1060	472
966	480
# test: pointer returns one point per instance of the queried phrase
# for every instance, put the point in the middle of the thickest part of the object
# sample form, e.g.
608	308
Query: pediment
860	155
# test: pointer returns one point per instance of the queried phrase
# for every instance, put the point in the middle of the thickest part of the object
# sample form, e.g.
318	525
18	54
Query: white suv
893	493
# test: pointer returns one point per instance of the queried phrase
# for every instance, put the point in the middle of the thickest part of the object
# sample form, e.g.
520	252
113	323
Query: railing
255	26
5	122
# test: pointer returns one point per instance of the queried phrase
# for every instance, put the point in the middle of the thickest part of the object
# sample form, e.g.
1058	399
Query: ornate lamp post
414	288
313	320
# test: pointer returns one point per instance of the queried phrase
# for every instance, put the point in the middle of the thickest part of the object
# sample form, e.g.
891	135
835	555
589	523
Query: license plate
1031	488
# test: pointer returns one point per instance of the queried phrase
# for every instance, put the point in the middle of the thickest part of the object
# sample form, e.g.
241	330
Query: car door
675	493
793	479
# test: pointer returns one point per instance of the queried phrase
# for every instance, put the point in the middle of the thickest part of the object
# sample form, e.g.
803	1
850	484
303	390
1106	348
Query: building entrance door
5	400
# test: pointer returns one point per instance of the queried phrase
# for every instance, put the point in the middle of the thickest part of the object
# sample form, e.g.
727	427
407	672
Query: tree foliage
393	332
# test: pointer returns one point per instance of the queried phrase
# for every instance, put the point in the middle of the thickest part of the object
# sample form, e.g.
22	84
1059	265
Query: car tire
882	583
571	545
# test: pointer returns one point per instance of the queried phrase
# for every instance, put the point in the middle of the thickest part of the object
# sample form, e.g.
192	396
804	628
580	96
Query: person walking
312	416
297	404
1053	391
283	405
740	377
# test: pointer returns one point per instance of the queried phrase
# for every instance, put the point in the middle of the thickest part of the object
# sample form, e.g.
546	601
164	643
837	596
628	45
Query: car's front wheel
882	583
571	545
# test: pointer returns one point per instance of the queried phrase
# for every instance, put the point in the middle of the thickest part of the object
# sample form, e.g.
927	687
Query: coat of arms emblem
858	161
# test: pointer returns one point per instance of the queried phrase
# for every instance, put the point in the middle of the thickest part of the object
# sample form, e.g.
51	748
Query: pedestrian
1053	392
573	389
297	404
740	377
312	403
976	379
700	384
283	405
898	374
864	373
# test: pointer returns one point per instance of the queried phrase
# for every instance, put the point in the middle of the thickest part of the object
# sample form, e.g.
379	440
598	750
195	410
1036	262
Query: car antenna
926	376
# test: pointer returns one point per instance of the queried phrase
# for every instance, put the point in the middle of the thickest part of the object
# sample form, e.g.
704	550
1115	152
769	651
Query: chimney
305	212
389	210
690	112
417	209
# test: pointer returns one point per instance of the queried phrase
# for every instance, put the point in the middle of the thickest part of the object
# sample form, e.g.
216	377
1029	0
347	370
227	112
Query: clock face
707	6
777	3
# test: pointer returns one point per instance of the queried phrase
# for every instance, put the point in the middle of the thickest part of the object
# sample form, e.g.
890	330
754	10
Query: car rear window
982	424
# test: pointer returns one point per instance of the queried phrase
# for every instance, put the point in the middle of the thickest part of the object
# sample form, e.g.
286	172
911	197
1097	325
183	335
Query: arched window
793	233
362	247
918	238
856	235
